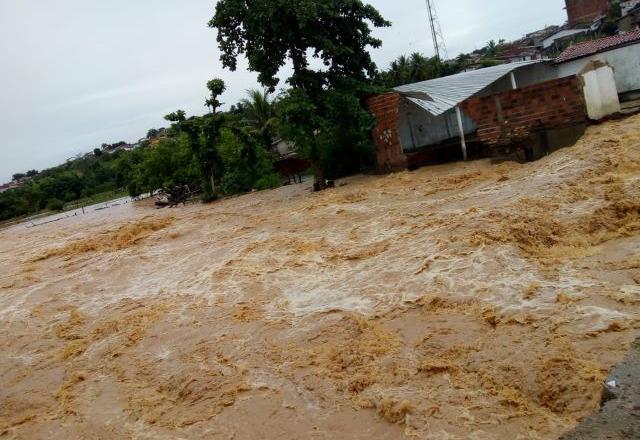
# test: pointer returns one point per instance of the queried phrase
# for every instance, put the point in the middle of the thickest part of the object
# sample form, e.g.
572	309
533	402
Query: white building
621	52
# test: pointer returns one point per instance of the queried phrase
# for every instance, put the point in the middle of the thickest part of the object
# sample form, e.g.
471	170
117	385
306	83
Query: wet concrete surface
619	416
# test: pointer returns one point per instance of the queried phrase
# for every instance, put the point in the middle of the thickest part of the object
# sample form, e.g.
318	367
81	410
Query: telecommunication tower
436	31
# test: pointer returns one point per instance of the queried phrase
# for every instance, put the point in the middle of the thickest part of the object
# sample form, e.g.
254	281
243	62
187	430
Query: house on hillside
628	6
287	161
621	52
520	108
516	52
630	19
562	38
536	38
7	186
585	12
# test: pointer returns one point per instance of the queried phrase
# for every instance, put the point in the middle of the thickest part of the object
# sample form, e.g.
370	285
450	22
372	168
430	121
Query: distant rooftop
587	48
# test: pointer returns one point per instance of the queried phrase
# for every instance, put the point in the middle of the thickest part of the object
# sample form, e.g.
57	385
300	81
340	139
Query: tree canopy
335	32
327	42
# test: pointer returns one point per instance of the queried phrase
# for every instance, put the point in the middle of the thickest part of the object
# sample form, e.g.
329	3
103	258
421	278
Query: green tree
415	68
202	135
335	32
177	116
217	87
491	48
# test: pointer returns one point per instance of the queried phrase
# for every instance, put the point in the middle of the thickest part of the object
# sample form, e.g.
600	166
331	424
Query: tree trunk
320	183
213	183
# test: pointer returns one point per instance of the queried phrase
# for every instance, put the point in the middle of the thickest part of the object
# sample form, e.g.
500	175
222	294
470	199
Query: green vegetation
216	154
77	179
323	112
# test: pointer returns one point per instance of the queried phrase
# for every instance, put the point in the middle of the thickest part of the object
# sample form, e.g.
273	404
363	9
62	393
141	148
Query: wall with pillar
389	154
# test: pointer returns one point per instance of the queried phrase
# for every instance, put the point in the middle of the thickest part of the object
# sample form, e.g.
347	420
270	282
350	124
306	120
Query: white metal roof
439	95
548	42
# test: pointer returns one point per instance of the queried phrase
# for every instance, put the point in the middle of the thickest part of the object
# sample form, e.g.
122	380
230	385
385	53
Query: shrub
54	204
268	182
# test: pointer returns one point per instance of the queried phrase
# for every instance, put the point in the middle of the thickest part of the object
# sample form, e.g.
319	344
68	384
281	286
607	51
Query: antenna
436	31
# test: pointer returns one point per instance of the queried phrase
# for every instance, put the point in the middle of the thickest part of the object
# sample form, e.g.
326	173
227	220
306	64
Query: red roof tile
596	46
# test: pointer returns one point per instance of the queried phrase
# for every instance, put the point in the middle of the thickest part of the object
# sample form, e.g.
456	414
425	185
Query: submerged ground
463	301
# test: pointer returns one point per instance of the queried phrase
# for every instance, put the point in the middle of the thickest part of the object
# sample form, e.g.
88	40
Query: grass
95	199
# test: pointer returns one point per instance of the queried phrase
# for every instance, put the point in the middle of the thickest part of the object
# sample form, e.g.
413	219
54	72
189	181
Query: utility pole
436	31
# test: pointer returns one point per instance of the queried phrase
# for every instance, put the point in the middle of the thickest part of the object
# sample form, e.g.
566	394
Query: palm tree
398	72
492	48
259	116
414	68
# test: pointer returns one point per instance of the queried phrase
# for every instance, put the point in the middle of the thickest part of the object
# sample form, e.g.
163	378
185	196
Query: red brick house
585	11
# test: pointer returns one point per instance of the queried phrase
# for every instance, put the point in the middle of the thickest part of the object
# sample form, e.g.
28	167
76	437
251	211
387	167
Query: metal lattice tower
436	31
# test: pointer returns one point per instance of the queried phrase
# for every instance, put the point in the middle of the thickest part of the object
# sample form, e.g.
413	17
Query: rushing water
462	301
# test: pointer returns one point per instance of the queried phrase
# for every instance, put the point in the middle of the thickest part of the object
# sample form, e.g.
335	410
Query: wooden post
461	130
514	84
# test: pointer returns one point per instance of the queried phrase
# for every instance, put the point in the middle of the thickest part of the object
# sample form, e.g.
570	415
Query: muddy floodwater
464	301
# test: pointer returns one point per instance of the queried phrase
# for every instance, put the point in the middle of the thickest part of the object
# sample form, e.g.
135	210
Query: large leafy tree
325	41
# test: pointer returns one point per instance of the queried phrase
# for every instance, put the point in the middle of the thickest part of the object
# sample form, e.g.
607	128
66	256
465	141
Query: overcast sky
77	73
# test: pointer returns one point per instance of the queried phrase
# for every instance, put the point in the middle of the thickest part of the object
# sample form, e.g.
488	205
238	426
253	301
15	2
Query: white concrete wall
624	60
525	76
600	92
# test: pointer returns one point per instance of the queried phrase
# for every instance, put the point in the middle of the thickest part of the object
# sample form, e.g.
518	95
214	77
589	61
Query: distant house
283	148
628	6
516	53
562	37
15	183
584	12
536	38
630	19
288	163
7	186
621	52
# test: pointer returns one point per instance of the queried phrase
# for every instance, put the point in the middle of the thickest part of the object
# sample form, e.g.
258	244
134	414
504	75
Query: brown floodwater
464	301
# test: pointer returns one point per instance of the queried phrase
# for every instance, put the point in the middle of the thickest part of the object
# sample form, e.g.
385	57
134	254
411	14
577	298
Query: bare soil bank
463	301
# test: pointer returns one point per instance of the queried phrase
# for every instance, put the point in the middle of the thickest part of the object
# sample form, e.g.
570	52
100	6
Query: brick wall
510	117
389	154
585	11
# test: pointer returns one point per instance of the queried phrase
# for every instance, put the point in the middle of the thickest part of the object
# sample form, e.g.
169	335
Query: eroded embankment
462	301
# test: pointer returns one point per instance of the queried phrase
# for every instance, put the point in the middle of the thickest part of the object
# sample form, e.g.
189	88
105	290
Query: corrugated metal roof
439	95
596	46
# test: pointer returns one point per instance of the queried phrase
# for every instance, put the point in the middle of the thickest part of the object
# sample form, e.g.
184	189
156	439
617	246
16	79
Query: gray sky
77	73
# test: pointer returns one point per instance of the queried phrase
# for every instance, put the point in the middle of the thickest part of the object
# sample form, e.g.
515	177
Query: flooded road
462	301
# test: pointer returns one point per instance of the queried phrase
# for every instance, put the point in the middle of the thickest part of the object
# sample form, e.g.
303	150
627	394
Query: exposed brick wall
585	11
510	117
389	154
